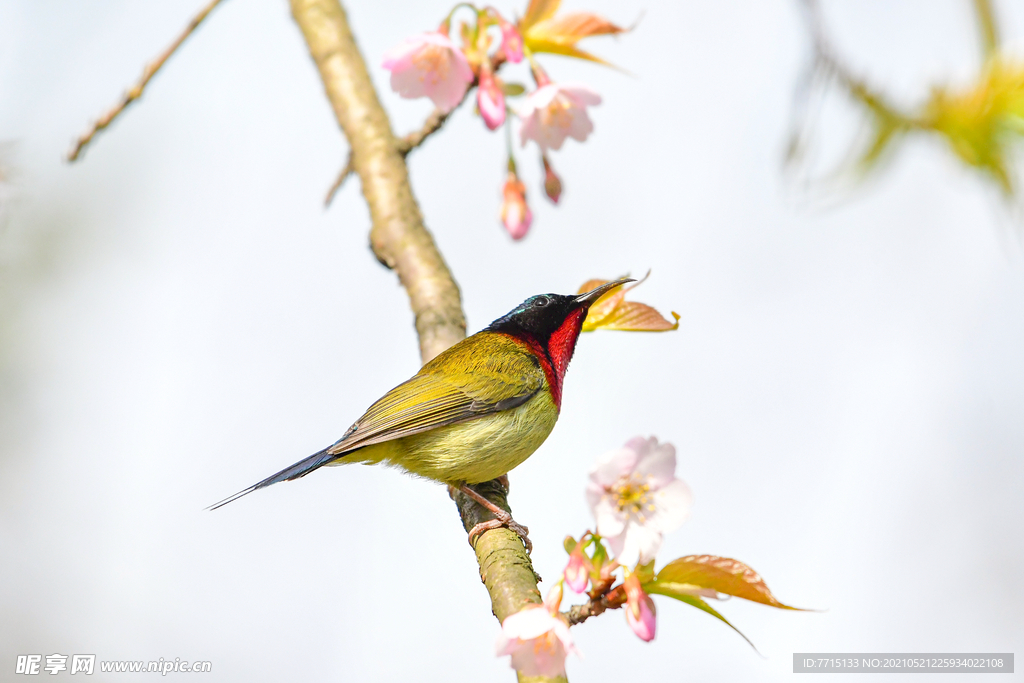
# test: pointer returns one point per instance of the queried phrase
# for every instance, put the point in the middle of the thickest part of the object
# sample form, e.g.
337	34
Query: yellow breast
473	451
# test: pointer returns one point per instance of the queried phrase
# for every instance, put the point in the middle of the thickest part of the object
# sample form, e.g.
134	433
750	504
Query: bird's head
551	323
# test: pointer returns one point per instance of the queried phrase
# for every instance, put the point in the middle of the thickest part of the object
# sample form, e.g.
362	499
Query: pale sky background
179	318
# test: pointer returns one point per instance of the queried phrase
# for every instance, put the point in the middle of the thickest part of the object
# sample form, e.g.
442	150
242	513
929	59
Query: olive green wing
483	374
467	381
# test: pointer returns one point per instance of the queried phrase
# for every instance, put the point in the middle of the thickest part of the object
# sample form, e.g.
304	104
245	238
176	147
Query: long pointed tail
299	469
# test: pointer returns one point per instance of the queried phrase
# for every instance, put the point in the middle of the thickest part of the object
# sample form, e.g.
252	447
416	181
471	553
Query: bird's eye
541	301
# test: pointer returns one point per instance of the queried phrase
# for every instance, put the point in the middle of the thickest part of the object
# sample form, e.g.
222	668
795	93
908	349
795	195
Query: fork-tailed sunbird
477	410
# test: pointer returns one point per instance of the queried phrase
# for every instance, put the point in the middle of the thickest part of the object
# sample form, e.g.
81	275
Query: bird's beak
593	295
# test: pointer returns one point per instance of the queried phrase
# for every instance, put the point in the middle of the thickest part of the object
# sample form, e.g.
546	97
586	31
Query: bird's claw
511	524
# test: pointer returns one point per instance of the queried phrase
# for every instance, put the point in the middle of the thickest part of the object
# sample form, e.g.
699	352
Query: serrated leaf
613	312
658	589
632	316
694	573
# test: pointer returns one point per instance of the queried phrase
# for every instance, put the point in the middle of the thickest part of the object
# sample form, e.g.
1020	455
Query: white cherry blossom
636	498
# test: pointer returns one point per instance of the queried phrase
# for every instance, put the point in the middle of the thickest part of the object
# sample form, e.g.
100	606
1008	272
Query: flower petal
537	641
581	93
610	520
529	623
562	632
542	657
638	544
613	465
429	64
407	82
643	445
657	461
672	505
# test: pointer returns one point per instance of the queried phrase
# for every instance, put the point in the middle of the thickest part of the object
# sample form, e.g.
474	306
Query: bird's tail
299	469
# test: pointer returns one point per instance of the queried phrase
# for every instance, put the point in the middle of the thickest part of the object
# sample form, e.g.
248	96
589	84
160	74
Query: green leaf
666	590
513	89
645	572
699	573
600	556
570	544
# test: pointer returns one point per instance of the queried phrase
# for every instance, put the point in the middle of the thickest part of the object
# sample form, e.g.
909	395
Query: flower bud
552	183
515	213
577	573
490	99
640	612
511	41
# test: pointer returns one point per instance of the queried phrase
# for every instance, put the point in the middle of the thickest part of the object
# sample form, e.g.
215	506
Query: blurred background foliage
980	120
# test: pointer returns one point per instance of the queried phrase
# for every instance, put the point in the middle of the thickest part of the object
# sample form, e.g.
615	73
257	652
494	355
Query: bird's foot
513	525
504	519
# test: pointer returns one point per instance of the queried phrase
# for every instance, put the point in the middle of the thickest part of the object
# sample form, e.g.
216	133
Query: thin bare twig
856	86
405	145
597	604
988	26
135	92
346	171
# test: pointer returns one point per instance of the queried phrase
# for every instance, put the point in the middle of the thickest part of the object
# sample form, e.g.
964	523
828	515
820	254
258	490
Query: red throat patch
562	343
554	360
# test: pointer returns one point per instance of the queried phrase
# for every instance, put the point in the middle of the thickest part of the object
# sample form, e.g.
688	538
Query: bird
474	412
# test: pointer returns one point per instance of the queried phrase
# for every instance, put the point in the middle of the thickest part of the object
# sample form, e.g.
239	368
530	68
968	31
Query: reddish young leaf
695	574
570	28
613	312
538	11
542	31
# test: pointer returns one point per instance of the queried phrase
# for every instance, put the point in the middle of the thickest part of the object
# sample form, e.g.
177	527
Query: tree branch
597	604
398	236
505	568
401	242
405	145
135	92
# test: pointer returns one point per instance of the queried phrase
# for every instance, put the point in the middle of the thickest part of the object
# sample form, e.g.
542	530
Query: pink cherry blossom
636	498
556	111
490	100
640	612
538	641
430	65
511	41
577	573
515	212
